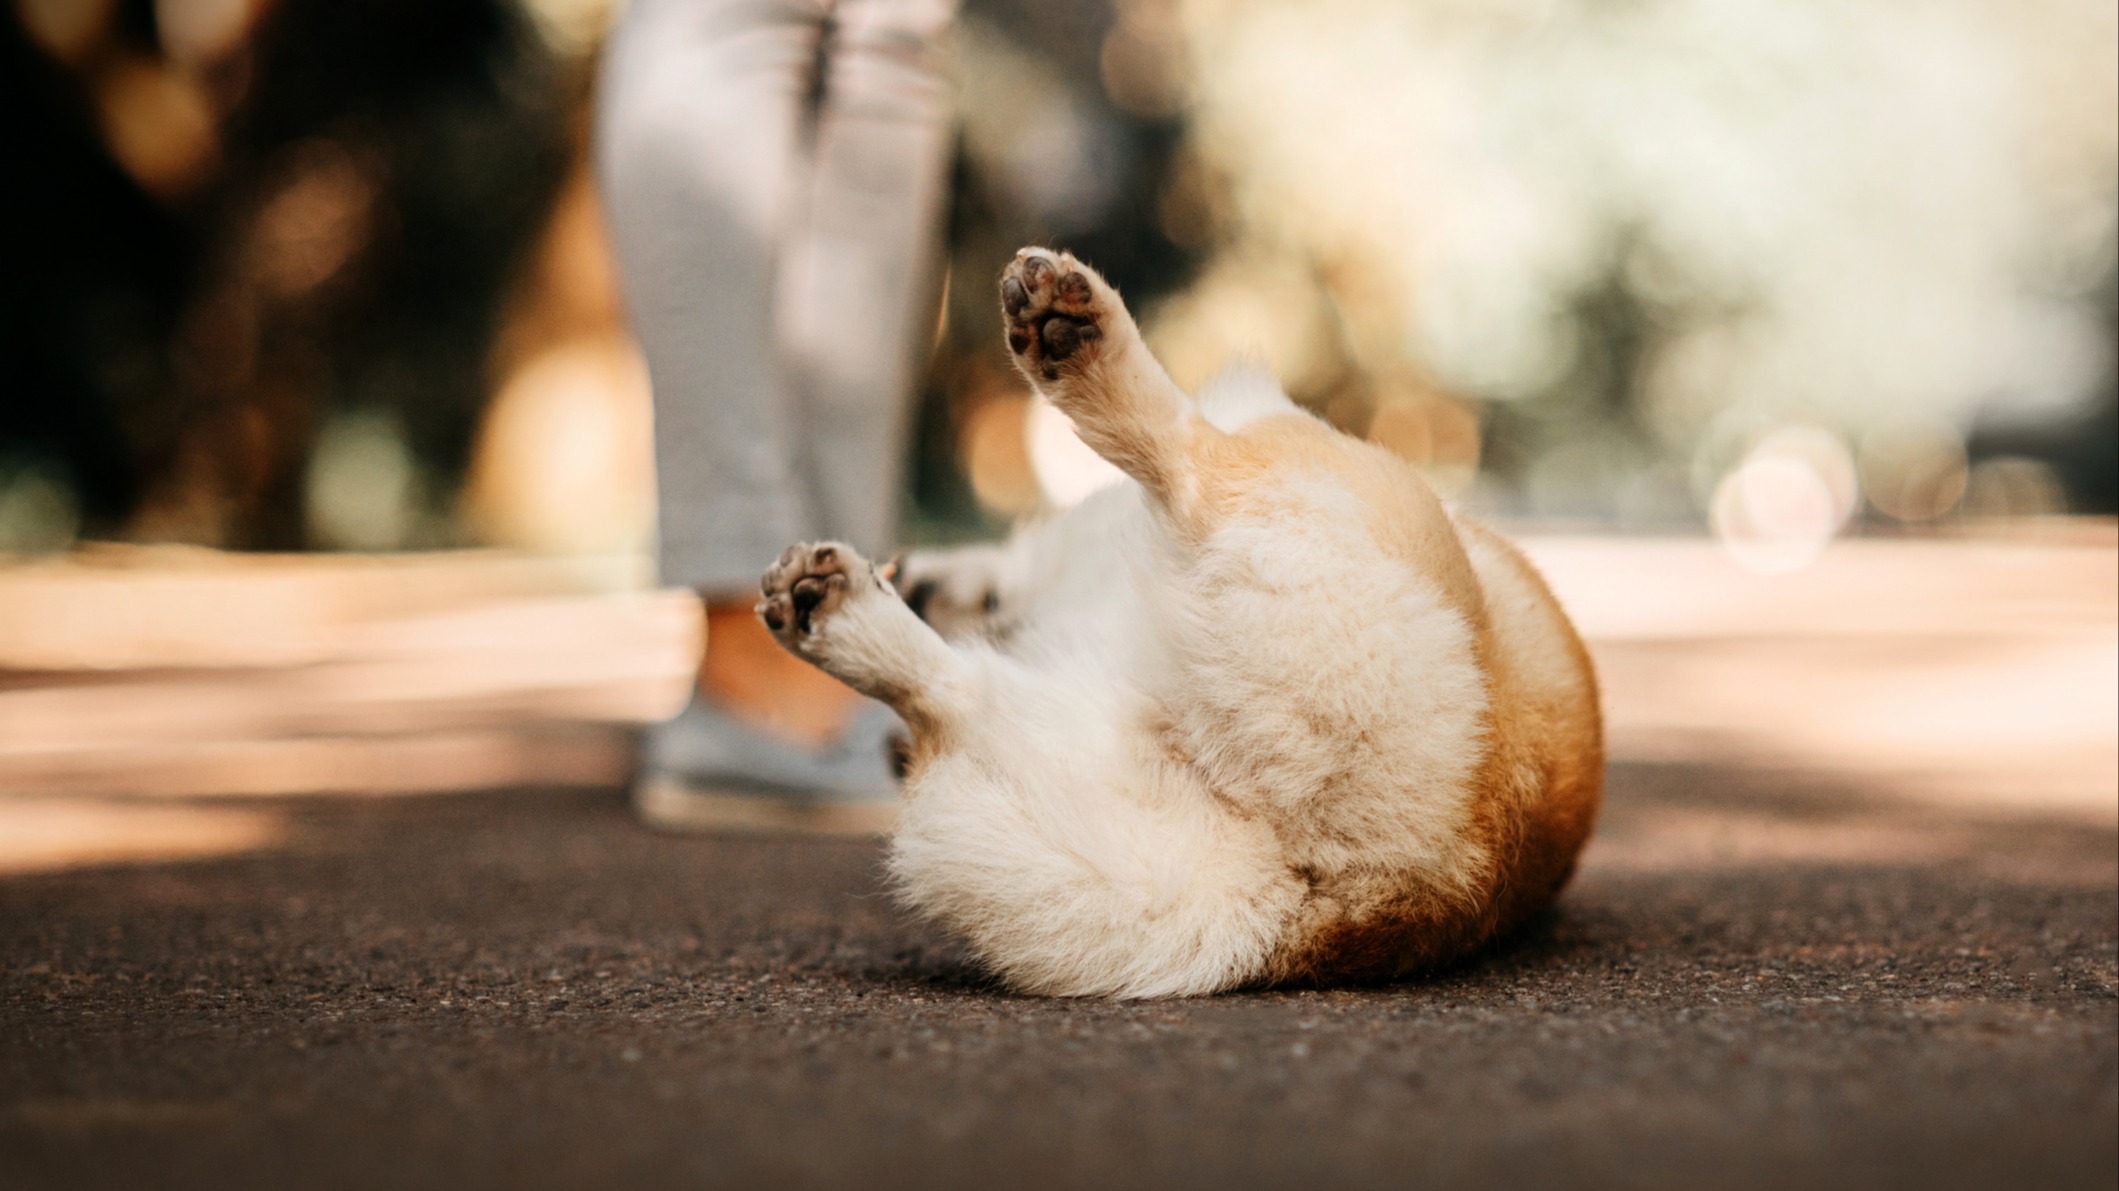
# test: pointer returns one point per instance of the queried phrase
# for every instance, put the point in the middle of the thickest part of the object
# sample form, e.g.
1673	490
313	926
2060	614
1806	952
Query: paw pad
1051	308
806	584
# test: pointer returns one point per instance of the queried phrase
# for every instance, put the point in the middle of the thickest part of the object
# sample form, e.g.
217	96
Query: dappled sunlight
180	673
51	834
1980	676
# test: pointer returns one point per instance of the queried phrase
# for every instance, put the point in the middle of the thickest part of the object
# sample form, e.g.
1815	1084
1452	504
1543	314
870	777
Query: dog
1268	712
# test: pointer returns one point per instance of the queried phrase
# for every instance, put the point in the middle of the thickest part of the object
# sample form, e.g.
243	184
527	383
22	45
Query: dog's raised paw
809	583
1055	317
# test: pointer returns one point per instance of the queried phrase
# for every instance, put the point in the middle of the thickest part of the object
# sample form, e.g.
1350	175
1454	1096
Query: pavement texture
1757	981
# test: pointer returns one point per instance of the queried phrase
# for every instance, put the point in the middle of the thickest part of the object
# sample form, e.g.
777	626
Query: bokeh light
1067	470
1778	510
1913	471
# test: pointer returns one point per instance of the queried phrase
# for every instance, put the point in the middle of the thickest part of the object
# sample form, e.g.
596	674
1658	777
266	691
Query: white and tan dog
1269	712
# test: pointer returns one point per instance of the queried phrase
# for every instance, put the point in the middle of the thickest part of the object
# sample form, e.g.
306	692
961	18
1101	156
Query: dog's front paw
1056	312
810	583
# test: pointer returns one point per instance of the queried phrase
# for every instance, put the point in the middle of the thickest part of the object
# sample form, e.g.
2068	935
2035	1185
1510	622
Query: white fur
1155	744
1057	836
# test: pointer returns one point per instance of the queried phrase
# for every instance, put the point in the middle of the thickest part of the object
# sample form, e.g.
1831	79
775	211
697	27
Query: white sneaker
708	771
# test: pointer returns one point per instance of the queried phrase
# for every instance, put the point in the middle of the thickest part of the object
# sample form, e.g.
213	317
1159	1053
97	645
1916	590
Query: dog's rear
1314	726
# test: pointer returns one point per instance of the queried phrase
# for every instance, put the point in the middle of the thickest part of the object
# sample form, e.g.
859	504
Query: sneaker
708	771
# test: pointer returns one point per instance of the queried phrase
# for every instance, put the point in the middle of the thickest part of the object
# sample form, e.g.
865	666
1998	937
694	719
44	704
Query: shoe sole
672	804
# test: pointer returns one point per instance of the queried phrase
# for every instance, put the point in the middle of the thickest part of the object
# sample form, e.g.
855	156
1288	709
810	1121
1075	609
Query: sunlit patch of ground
45	834
190	672
1981	675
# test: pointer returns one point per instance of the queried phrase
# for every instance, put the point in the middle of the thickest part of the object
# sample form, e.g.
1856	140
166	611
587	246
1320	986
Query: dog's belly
1317	684
1318	681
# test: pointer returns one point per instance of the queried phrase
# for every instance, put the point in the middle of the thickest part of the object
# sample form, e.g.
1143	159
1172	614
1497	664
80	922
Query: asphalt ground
1757	981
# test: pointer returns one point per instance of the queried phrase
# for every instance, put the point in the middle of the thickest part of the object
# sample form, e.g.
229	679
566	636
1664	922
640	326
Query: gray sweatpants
773	174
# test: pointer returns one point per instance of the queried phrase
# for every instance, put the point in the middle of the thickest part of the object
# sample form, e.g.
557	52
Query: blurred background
296	276
284	274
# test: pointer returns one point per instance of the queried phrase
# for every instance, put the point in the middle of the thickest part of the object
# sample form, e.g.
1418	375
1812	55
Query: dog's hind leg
1072	336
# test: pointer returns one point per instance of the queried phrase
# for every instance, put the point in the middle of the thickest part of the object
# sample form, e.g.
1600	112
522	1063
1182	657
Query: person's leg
700	146
771	424
858	282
